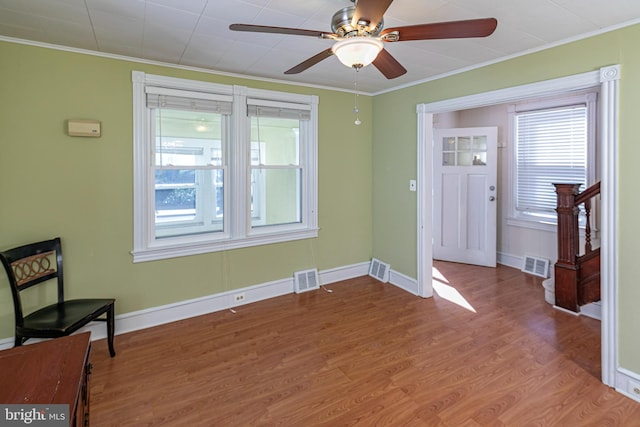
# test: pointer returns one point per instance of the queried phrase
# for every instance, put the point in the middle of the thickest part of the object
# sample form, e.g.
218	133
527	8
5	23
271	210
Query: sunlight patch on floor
448	292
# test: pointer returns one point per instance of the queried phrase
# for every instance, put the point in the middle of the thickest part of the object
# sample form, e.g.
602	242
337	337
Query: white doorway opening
607	78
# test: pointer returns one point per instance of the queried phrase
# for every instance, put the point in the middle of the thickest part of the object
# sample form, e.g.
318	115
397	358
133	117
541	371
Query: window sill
534	225
167	251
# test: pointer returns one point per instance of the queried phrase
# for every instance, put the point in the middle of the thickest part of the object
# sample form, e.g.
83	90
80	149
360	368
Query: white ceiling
196	33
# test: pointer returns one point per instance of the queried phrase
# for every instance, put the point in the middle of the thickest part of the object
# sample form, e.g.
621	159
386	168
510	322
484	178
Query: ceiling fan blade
444	30
310	62
279	30
388	65
370	11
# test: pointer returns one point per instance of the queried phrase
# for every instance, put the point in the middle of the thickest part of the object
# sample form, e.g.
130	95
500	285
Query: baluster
587	228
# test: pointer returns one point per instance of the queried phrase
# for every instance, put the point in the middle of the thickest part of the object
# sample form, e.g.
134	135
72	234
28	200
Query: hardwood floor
367	354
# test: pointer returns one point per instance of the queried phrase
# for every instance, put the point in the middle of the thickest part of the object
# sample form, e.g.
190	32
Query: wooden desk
50	372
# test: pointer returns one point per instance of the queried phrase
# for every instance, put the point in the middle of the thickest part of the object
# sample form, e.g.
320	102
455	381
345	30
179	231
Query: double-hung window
189	140
219	167
276	167
554	142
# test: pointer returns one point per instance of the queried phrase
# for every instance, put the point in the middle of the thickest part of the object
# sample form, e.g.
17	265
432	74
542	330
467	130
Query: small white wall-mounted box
77	127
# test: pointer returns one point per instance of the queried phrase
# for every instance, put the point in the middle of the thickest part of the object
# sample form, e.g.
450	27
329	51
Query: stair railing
569	200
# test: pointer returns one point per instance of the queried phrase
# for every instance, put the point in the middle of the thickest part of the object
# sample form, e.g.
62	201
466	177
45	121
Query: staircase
577	273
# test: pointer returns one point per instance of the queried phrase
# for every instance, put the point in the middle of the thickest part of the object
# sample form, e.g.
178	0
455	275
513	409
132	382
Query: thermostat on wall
83	128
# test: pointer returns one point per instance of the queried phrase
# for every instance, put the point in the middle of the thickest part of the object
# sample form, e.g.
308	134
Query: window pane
448	144
479	150
480	159
480	143
175	195
275	196
188	201
448	159
188	138
171	151
464	143
274	141
189	174
464	159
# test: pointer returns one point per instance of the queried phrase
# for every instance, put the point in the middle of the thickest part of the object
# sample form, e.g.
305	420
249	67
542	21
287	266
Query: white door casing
608	79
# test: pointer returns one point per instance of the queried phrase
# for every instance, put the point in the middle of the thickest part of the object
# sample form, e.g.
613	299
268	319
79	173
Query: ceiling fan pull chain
355	101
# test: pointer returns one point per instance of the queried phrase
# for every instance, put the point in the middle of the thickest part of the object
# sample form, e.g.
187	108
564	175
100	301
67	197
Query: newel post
566	272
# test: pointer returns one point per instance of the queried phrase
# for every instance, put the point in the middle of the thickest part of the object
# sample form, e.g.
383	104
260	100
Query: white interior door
464	195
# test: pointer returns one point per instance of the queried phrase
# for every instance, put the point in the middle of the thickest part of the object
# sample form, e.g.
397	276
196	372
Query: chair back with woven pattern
30	265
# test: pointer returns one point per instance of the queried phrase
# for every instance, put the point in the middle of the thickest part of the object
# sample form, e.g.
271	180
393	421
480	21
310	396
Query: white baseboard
564	310
628	383
593	310
509	260
404	282
343	273
142	319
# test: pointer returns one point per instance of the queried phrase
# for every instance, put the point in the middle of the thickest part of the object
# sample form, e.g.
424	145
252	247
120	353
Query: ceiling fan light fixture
357	52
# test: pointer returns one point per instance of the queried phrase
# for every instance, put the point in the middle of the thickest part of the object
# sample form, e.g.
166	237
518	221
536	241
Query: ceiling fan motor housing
342	26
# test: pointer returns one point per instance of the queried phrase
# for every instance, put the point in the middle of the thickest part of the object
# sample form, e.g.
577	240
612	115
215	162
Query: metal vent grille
379	270
306	280
536	266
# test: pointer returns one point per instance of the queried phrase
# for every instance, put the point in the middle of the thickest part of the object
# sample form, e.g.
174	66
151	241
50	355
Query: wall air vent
379	270
307	280
536	266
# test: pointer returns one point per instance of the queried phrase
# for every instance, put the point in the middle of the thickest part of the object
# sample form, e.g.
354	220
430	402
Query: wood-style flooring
486	350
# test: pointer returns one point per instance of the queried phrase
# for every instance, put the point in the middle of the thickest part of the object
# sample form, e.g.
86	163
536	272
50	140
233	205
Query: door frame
608	80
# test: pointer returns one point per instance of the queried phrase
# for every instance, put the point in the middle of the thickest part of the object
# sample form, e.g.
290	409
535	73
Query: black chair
38	263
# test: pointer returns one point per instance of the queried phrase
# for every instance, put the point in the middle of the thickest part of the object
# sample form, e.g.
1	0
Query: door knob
492	198
492	188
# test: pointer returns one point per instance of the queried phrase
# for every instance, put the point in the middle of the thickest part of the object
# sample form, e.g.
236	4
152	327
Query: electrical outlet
238	297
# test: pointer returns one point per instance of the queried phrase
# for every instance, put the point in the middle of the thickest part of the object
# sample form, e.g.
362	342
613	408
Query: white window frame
237	231
515	218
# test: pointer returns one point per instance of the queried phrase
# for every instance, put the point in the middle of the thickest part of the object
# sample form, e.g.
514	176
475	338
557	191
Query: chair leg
111	329
19	340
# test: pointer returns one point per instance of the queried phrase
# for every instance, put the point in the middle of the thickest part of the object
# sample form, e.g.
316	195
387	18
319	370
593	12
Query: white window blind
285	110
551	147
220	106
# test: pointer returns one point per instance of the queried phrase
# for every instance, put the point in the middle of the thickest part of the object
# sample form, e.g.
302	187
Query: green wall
81	188
394	155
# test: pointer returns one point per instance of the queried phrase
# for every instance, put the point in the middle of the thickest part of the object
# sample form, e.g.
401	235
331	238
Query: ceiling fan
359	36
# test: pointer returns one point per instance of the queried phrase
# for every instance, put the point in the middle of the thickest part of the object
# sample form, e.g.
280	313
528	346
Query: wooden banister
585	197
587	194
568	294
